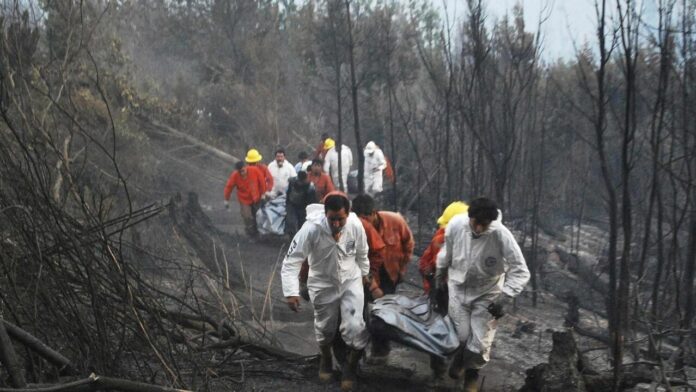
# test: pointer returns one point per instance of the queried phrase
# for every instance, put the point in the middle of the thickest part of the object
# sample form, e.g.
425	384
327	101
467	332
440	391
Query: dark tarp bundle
270	218
412	322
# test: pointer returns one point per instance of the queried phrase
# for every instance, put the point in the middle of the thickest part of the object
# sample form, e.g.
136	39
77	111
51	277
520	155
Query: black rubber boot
464	360
340	350
380	350
325	363
456	369
470	380
438	366
349	378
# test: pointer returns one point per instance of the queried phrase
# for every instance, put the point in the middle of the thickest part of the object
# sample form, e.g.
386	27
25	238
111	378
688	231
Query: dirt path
257	264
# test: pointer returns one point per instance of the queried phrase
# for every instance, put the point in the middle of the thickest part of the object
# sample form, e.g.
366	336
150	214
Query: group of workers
302	184
347	254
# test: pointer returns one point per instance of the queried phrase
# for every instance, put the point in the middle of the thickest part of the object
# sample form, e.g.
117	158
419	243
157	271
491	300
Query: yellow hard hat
253	156
329	143
456	208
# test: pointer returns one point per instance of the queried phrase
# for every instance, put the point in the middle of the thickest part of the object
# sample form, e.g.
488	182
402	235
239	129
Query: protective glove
227	205
304	291
497	308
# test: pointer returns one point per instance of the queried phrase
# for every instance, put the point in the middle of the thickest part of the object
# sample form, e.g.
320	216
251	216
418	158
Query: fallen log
205	146
28	340
97	383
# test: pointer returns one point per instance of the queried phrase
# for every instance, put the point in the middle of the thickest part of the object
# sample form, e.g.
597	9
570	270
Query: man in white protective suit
334	242
282	171
484	269
331	163
375	163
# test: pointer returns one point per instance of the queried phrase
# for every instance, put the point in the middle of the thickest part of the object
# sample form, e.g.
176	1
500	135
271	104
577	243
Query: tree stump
561	373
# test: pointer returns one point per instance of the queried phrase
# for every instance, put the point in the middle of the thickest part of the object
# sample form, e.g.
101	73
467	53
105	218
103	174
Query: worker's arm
269	180
407	245
361	249
381	160
444	257
376	254
427	262
516	272
327	162
260	181
444	260
329	185
350	157
297	253
231	183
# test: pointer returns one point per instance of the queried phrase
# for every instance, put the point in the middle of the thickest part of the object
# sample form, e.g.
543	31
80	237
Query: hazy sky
568	20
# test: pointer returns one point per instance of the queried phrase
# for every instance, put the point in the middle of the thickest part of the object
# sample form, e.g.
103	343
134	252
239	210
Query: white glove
227	204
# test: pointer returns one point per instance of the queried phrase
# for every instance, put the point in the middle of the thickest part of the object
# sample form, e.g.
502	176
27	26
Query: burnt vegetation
107	271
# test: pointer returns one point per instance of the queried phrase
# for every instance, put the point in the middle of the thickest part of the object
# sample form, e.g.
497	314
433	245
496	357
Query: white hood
315	213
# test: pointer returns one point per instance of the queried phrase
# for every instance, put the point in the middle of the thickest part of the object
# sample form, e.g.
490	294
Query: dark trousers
295	218
380	342
248	213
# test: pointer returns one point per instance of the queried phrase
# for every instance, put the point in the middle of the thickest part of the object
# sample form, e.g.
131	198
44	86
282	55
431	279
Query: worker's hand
376	293
227	205
497	308
366	280
304	291
294	303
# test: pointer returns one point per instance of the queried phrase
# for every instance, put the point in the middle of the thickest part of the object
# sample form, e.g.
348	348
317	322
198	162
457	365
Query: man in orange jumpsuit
399	243
250	186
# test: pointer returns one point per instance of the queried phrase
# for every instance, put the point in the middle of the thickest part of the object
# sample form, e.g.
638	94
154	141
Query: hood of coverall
317	216
370	148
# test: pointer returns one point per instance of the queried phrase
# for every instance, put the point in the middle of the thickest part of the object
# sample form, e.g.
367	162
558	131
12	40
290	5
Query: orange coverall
397	237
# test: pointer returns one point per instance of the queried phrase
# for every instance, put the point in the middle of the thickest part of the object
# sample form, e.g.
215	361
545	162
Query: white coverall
281	177
336	269
375	163
331	165
479	270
